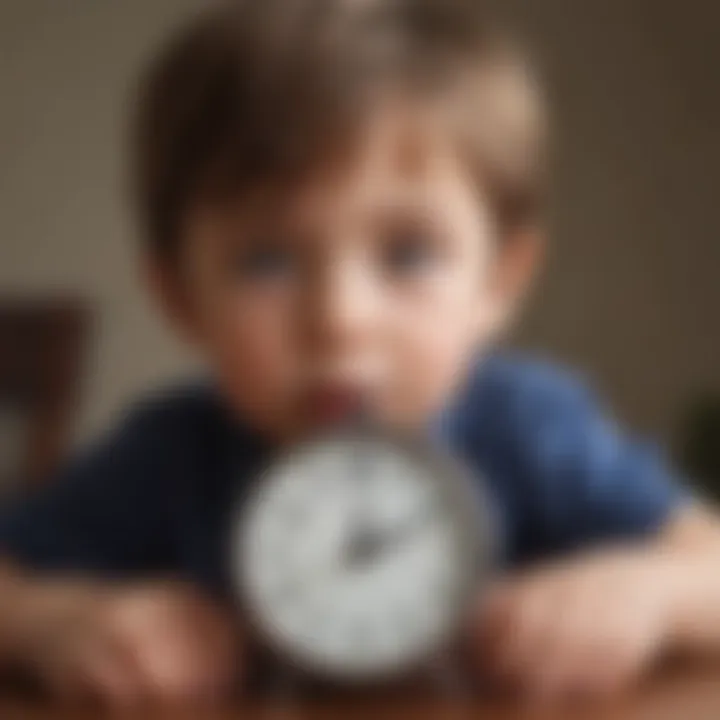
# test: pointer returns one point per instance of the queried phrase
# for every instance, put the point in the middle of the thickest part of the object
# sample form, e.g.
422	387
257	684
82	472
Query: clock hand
378	542
362	550
359	525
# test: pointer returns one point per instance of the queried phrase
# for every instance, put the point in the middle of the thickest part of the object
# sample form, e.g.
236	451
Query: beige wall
64	82
631	293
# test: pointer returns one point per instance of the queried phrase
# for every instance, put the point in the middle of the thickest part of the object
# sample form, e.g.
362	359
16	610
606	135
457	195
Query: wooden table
690	693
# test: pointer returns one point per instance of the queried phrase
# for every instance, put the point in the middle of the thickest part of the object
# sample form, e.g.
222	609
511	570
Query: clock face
356	556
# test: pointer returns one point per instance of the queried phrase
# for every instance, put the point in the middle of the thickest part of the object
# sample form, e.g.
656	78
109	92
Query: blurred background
631	295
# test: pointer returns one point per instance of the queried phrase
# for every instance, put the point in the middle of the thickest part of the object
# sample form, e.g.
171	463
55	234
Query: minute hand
360	520
379	542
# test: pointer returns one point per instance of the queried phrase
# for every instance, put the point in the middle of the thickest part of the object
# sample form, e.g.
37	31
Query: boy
340	201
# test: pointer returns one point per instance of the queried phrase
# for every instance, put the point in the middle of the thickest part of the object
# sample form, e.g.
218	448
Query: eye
409	250
263	263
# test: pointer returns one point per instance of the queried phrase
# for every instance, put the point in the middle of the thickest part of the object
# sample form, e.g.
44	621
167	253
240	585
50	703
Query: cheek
247	337
437	330
243	331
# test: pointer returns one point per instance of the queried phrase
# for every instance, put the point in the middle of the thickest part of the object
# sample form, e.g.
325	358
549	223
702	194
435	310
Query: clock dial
355	556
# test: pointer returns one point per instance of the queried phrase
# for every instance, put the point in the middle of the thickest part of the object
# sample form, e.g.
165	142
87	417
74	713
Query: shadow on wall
700	445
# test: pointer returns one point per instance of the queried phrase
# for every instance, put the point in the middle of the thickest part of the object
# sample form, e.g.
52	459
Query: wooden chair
42	345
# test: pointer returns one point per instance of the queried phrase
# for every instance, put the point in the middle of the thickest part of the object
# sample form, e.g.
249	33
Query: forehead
401	157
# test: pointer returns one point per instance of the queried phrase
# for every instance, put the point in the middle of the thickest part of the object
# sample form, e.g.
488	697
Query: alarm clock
355	555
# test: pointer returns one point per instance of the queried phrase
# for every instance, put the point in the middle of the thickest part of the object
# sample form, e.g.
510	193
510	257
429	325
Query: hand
586	627
126	645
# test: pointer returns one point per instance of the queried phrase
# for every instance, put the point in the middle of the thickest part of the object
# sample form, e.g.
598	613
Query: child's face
376	283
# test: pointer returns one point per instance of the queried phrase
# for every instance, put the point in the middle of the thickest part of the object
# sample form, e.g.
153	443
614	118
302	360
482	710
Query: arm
32	606
691	546
625	559
119	643
13	603
90	520
71	612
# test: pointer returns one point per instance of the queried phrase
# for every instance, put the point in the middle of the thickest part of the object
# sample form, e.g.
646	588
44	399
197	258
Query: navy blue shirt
155	496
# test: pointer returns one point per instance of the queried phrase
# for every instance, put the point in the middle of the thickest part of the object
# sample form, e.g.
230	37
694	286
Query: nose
345	311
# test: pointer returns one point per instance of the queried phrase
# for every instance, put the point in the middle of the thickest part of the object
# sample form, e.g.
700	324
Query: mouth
330	405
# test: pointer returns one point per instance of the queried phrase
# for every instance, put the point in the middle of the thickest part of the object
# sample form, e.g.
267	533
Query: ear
169	293
517	266
519	261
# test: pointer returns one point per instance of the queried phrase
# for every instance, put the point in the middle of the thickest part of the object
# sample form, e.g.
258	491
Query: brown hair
260	90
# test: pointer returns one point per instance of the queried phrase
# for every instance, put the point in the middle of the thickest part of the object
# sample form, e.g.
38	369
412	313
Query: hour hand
371	543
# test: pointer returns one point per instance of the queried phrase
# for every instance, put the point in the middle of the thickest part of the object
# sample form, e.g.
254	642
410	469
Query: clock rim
478	527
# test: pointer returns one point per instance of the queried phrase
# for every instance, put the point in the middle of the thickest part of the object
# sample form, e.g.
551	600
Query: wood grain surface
683	693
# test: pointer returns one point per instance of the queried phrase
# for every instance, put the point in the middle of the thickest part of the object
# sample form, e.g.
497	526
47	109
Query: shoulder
528	413
523	391
183	407
178	425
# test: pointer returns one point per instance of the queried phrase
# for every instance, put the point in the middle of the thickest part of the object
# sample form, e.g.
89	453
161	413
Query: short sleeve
103	513
586	482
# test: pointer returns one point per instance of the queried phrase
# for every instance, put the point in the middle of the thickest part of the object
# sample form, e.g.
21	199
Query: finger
180	670
74	677
532	630
564	660
578	679
105	670
548	629
491	606
615	659
209	650
182	645
159	666
220	660
60	668
587	654
113	679
490	625
64	684
217	642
